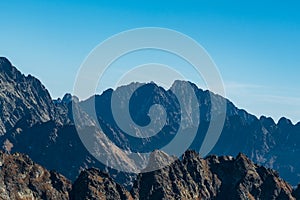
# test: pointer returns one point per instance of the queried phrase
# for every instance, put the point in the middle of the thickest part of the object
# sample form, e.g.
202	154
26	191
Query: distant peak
4	60
7	68
267	120
69	98
5	64
284	121
179	83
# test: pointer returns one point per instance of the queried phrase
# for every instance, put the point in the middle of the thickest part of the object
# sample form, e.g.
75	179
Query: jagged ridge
31	123
191	177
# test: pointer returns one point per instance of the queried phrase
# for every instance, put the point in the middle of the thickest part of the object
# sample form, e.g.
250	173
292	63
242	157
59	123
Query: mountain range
31	122
191	177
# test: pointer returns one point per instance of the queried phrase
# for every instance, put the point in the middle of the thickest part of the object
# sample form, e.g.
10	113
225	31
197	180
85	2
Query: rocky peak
215	177
190	154
7	68
267	121
159	159
24	101
5	65
243	162
94	184
284	122
68	98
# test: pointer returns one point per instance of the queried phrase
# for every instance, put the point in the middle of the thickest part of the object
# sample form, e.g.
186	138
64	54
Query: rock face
94	184
24	101
211	178
186	179
20	178
32	123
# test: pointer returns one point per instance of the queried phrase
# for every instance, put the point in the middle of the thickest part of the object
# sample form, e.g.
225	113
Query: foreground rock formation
215	177
21	178
191	177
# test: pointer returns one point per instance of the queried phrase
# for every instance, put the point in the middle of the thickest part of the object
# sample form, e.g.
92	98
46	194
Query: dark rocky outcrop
214	177
189	178
94	184
20	178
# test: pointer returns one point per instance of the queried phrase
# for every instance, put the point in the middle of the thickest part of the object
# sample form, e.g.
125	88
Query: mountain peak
284	121
197	178
158	159
244	162
24	100
69	98
7	68
94	184
4	62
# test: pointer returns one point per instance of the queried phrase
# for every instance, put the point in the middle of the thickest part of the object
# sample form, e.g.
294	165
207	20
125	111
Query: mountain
34	124
274	145
191	177
24	101
214	177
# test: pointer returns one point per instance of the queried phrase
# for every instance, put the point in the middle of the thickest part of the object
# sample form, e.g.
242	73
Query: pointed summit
24	100
6	68
159	159
4	63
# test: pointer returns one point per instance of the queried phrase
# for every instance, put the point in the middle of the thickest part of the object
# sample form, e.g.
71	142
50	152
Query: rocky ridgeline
24	101
191	177
32	123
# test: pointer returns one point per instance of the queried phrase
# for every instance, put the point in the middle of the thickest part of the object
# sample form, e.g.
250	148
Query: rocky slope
94	184
21	178
32	123
190	178
24	101
296	192
214	177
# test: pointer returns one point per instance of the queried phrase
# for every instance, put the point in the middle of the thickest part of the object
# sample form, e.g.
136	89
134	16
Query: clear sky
255	44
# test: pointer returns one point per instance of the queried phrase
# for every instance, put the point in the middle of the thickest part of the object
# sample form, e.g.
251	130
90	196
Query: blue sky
255	44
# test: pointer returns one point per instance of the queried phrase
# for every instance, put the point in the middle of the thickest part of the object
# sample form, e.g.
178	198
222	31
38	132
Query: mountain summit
24	101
